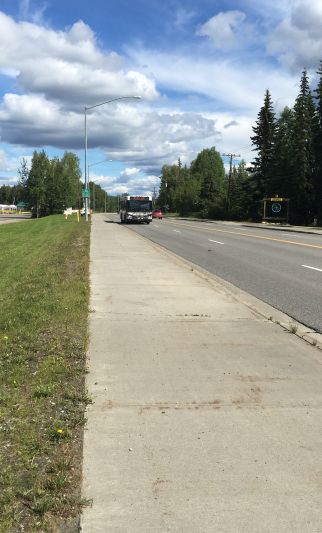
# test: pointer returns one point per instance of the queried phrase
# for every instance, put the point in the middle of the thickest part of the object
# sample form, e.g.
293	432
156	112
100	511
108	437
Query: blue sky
201	69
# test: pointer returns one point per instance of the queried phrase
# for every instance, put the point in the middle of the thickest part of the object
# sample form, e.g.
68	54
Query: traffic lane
258	233
310	251
264	233
297	251
7	219
266	271
290	257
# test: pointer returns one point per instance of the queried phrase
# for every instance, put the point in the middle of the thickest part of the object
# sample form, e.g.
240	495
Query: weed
43	391
293	328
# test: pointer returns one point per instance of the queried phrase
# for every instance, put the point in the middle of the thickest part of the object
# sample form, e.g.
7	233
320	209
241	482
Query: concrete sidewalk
206	416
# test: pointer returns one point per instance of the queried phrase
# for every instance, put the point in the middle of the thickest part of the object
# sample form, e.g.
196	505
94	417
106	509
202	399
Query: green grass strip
44	298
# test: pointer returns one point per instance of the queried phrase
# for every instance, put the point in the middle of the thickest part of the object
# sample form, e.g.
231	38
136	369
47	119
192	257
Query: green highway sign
86	193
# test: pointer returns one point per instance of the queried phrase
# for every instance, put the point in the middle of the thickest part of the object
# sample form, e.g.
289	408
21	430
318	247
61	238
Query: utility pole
229	178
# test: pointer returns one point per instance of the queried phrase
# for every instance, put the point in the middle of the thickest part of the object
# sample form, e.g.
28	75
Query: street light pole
86	175
86	108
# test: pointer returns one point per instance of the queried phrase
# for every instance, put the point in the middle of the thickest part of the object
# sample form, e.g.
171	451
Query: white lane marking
155	226
312	268
176	231
218	242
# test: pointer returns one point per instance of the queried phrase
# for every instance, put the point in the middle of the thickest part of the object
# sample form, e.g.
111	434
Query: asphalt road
7	219
283	269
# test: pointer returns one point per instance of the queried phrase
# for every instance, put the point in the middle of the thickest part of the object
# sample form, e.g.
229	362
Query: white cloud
231	84
128	133
134	184
297	40
221	29
67	66
58	72
128	172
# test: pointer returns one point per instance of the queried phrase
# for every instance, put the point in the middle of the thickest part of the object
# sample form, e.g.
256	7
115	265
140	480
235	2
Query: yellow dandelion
60	430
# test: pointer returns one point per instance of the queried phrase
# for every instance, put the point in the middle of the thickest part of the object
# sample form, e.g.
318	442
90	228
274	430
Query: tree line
49	186
204	189
289	153
288	164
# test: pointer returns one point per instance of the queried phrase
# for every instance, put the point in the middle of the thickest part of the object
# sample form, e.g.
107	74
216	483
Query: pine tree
302	202
239	197
283	178
263	141
317	132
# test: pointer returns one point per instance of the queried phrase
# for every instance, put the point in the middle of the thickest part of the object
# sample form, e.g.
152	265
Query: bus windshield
139	205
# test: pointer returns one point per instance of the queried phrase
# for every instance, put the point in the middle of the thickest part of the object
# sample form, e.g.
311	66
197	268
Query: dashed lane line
261	237
217	242
312	268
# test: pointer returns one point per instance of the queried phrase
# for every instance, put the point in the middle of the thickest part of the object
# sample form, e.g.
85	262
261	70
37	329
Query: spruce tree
239	197
317	131
263	141
283	178
302	202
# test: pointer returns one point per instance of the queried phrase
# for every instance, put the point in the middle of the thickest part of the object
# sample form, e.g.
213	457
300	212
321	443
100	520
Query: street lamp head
113	100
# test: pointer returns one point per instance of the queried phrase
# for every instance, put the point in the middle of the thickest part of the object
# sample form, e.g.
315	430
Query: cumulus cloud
297	40
129	172
61	71
128	133
221	29
136	183
67	66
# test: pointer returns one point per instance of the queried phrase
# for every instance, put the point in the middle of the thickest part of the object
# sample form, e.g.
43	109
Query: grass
44	294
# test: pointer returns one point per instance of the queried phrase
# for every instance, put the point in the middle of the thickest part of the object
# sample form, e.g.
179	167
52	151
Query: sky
200	68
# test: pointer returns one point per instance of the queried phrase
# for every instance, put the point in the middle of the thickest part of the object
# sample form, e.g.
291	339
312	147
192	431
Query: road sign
86	193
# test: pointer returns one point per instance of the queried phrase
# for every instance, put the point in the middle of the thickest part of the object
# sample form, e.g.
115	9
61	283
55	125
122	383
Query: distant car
157	213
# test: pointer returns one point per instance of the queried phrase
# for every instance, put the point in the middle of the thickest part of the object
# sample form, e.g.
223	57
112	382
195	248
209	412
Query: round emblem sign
276	208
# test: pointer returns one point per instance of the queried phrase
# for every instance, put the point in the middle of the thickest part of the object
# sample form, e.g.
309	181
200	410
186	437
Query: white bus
136	209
